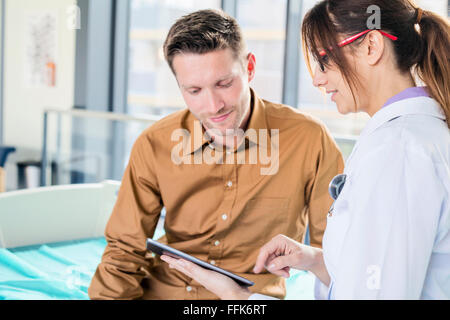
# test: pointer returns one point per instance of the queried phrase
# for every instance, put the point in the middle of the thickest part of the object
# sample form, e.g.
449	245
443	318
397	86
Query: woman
388	232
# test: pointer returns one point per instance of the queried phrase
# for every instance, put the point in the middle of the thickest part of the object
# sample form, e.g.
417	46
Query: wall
23	105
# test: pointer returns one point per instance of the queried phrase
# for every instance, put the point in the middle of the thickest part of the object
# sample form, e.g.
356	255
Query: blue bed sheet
64	271
50	271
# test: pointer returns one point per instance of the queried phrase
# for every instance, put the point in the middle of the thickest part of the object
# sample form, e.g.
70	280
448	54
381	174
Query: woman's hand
282	253
222	286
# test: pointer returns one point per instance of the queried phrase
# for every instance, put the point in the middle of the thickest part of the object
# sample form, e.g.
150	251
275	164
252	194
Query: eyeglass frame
353	38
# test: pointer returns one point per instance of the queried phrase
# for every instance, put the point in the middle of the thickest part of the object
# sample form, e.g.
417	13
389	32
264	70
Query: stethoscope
335	188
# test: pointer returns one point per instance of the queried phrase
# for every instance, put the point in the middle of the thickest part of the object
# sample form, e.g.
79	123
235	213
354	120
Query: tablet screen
161	249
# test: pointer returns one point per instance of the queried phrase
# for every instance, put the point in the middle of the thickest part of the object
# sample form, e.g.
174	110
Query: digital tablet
161	249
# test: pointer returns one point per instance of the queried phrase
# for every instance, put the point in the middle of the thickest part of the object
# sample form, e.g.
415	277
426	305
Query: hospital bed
51	241
56	213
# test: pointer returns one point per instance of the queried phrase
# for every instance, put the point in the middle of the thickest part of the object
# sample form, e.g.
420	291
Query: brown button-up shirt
220	207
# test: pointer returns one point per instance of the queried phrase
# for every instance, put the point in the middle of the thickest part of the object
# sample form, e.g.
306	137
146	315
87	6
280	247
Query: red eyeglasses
356	36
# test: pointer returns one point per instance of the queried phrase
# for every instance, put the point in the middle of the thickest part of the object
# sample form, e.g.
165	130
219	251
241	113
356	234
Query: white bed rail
55	213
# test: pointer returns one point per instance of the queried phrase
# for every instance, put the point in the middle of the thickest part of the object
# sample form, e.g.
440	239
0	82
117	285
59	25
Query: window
263	24
152	88
312	101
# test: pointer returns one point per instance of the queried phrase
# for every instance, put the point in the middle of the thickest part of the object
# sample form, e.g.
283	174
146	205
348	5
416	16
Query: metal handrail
345	138
84	114
103	115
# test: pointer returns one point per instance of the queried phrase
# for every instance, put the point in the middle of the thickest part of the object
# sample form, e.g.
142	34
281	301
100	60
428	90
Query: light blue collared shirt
408	93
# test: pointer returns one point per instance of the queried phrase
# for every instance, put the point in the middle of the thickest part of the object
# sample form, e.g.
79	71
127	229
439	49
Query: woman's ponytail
433	67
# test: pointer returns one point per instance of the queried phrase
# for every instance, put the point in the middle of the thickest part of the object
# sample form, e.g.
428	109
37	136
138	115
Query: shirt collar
256	122
257	119
195	132
408	106
408	93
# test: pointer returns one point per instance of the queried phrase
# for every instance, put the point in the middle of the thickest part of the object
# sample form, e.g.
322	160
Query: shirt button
217	243
229	184
213	262
224	217
188	288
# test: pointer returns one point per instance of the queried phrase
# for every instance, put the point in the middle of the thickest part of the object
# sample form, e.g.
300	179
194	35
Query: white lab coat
388	236
389	233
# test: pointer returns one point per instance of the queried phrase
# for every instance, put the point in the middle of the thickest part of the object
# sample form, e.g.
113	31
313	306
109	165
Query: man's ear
375	47
251	65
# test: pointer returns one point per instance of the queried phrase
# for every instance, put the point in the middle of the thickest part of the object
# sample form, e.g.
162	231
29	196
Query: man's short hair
201	32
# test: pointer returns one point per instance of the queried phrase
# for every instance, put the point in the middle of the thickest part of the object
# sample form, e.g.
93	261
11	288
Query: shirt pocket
262	219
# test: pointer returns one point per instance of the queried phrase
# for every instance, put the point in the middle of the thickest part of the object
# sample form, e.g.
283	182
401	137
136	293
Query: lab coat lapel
418	105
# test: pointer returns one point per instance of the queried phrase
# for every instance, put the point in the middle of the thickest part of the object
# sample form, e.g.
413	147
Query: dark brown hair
201	32
424	50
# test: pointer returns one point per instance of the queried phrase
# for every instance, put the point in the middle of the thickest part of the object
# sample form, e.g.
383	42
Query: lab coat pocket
262	219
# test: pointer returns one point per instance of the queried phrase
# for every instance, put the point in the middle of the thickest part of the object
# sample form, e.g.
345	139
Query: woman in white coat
388	232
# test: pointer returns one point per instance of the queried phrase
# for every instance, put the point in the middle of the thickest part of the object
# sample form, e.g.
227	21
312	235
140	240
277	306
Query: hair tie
419	13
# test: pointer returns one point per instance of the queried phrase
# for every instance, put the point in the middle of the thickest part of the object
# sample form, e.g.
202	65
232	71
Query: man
232	171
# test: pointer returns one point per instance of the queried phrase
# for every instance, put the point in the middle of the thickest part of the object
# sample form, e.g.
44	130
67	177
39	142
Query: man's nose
214	102
319	78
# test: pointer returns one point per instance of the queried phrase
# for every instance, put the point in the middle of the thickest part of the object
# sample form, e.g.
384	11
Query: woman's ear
251	65
375	47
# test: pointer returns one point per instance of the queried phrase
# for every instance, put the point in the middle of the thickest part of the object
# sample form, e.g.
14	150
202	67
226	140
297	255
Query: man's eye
195	91
226	85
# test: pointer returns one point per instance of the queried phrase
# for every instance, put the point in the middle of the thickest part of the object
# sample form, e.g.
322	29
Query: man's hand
222	286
